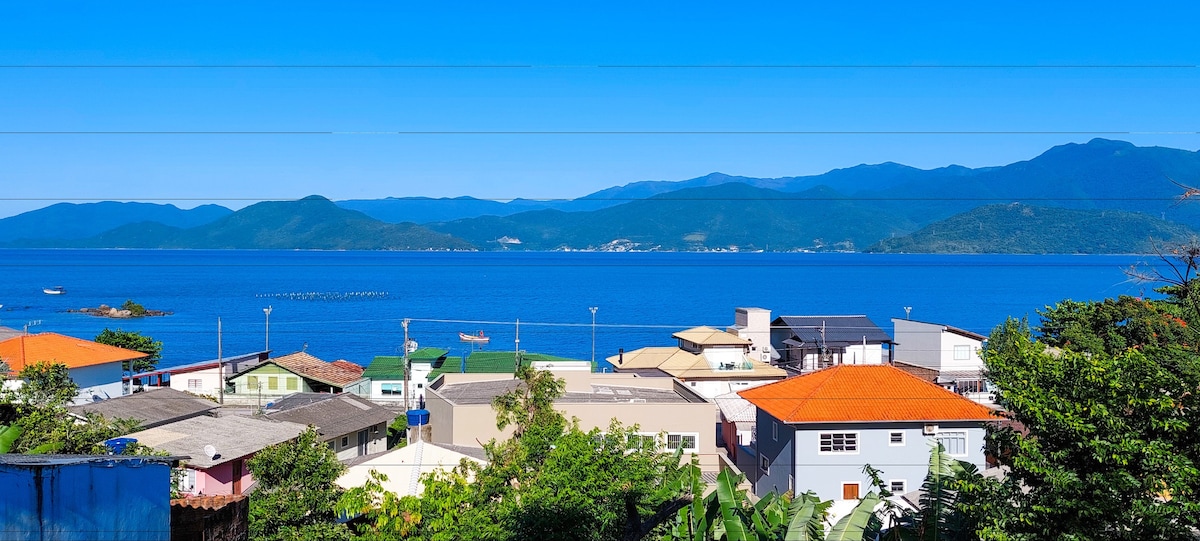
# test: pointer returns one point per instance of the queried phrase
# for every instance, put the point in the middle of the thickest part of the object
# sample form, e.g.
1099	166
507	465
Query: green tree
135	309
135	341
296	494
1107	398
39	422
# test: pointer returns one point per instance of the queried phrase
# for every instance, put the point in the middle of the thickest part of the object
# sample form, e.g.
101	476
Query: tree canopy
135	341
296	495
34	417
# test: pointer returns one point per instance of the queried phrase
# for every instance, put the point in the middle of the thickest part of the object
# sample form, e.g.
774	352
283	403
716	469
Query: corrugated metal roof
151	408
862	393
839	331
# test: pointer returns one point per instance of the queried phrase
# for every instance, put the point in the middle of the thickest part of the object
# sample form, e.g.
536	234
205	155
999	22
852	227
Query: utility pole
517	349
593	309
405	392
220	368
267	311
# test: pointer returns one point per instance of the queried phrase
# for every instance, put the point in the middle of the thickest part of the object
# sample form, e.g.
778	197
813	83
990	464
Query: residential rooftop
21	351
482	392
337	373
491	362
233	437
151	408
833	330
687	365
708	336
391	367
337	415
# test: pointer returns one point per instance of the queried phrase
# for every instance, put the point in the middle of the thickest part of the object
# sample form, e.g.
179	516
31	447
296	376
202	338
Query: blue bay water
641	297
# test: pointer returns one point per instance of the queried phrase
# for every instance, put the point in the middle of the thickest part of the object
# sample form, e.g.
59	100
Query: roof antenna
907	311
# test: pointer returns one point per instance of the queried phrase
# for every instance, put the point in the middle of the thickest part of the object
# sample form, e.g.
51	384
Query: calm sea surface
348	305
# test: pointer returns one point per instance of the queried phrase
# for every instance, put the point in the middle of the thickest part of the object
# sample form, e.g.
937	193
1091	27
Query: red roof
857	393
51	347
338	373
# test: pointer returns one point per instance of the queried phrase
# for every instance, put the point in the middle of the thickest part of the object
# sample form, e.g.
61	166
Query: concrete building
404	467
386	374
295	373
754	324
950	356
96	368
460	409
807	343
710	361
203	377
817	431
352	425
234	439
76	497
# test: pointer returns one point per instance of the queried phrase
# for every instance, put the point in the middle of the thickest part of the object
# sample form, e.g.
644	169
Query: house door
362	442
849	491
237	476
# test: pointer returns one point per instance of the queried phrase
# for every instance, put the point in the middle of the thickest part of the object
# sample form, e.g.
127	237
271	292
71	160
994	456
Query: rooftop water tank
418	417
117	446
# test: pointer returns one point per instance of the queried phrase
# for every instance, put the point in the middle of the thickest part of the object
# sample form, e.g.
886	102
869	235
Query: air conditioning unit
930	430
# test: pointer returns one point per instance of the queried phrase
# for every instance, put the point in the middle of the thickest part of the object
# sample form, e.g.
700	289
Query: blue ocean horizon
349	305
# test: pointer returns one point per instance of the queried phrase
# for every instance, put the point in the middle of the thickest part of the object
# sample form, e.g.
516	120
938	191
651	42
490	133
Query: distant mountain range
1100	197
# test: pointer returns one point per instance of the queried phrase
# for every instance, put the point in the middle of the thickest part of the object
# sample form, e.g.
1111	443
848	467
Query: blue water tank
117	446
418	417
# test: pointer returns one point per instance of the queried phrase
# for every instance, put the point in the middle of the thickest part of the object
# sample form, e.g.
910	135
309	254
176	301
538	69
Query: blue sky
1011	78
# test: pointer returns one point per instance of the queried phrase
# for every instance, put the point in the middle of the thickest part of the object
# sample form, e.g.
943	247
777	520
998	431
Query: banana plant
8	436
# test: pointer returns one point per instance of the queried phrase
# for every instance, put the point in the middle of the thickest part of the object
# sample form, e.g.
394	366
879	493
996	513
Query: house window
962	353
964	386
897	486
273	383
392	388
774	431
345	441
293	384
195	384
955	442
252	382
187	481
839	442
849	491
896	439
685	440
764	464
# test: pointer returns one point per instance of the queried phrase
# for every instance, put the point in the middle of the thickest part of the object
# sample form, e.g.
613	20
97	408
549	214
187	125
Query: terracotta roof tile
52	347
213	502
335	373
852	393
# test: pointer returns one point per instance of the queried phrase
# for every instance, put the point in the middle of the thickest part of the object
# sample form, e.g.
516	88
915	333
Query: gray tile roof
296	400
840	331
338	415
482	392
233	436
151	408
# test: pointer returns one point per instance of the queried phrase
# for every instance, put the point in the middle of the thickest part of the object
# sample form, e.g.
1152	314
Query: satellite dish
211	452
410	346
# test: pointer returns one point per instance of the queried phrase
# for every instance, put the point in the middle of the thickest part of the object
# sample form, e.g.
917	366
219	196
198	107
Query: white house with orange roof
710	361
817	431
96	368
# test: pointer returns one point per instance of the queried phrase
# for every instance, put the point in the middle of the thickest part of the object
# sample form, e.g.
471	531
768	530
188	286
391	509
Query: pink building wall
219	479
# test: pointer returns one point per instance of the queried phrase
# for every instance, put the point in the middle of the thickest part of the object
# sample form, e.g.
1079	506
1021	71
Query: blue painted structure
85	497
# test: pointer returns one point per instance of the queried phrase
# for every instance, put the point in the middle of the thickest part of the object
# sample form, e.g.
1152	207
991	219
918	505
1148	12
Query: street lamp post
593	309
267	311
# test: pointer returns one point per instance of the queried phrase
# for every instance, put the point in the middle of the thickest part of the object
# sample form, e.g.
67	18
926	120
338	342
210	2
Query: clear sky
106	100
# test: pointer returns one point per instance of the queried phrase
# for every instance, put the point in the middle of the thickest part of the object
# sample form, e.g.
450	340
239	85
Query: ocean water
349	305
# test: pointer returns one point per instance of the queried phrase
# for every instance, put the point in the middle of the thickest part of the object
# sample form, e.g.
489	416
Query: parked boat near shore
476	338
56	290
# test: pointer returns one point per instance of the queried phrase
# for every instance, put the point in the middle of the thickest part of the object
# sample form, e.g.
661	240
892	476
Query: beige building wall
475	424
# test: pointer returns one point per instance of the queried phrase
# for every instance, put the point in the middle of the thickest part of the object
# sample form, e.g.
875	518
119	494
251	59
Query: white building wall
710	389
206	382
863	354
949	342
754	324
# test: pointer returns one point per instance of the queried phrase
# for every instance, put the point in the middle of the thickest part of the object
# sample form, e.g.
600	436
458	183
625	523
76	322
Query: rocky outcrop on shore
105	310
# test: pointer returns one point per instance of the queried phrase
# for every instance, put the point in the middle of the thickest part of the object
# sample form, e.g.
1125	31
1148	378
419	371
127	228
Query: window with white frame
962	353
898	486
391	388
839	442
896	438
195	384
187	481
687	440
954	441
764	464
642	440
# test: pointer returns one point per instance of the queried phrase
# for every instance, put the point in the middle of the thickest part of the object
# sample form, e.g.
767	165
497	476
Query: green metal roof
392	366
491	362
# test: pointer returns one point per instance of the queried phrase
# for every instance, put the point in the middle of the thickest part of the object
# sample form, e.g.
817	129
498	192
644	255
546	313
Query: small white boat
476	338
56	290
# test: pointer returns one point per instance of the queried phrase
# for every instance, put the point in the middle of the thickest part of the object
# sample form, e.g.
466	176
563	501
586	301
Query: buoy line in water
325	295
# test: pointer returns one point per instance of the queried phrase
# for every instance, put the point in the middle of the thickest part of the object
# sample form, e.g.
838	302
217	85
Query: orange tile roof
212	502
52	347
337	373
855	393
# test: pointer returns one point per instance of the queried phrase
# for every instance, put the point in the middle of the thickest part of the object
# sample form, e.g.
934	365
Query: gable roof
405	466
862	393
391	367
337	373
838	330
233	436
25	350
151	408
337	415
687	365
945	328
708	336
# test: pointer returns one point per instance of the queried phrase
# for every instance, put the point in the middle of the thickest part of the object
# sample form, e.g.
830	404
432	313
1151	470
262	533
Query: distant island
128	309
1100	197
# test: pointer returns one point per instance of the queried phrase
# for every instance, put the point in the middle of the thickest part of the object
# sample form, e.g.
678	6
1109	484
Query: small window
252	382
375	429
839	442
293	384
897	487
273	383
392	389
774	431
962	353
896	439
955	442
642	441
764	464
195	384
686	441
849	491
345	441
